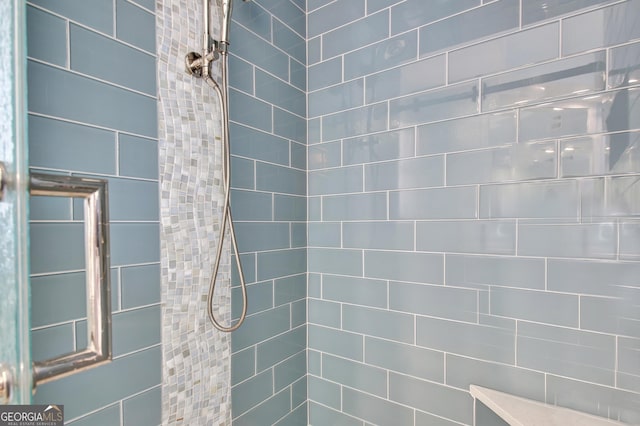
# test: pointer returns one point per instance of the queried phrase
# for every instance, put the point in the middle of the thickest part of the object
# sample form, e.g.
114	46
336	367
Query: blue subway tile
279	348
257	145
359	291
254	17
404	174
259	52
474	271
279	263
260	327
140	285
280	93
138	157
292	369
379	147
134	243
405	359
437	203
336	98
337	342
97	15
416	13
371	206
289	207
136	26
367	60
51	342
325	155
404	266
538	10
337	261
294	17
434	300
242	76
269	411
251	205
380	411
261	236
597	240
335	181
324	392
533	305
144	407
252	392
289	125
356	34
280	179
243	174
333	15
51	291
378	323
355	375
484	236
378	235
325	234
47	37
326	73
289	41
56	247
355	122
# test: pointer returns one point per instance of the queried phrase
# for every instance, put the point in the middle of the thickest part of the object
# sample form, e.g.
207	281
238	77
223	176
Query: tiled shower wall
473	193
268	143
92	112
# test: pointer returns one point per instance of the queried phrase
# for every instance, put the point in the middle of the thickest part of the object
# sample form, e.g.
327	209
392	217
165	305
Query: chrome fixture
199	65
96	237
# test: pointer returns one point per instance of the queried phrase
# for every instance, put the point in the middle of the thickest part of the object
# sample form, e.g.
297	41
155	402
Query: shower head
227	7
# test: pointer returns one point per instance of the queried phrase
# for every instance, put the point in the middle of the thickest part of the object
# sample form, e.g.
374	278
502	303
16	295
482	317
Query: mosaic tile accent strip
196	386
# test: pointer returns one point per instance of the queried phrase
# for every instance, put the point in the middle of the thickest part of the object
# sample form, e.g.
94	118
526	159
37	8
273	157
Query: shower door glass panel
14	290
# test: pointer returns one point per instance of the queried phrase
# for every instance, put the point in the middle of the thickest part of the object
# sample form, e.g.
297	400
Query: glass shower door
15	360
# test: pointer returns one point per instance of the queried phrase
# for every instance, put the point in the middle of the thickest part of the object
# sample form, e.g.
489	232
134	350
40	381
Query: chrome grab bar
96	242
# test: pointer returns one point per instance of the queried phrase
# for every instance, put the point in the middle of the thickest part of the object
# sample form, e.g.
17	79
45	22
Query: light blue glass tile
289	125
336	98
483	236
379	323
438	203
617	111
325	313
260	327
522	161
594	399
93	54
325	234
408	79
72	97
280	179
576	75
630	240
120	378
378	410
315	4
314	285
431	397
145	407
416	13
530	200
600	155
279	348
487	342
324	392
50	342
321	415
538	10
525	47
279	93
612	279
252	392
405	359
608	197
250	15
325	155
289	41
487	417
299	315
434	300
242	173
97	15
381	55
463	372
242	76
259	52
480	131
355	375
61	145
356	34
136	26
335	261
314	208
57	247
261	236
355	122
149	4
326	73
294	17
250	205
616	24
358	291
50	208
269	411
379	147
298	155
414	267
628	367
434	105
425	419
567	240
134	243
287	372
298	75
355	207
572	353
609	315
333	15
133	200
279	263
290	289
140	285
243	365
337	342
261	295
247	142
47	37
105	417
138	157
531	305
475	24
378	235
314	50
249	267
473	271
289	208
335	181
624	66
375	5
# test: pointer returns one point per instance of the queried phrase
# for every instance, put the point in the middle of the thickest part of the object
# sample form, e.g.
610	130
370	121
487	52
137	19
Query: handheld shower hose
199	66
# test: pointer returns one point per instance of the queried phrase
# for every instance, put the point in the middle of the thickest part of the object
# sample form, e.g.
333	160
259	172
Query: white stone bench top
519	411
